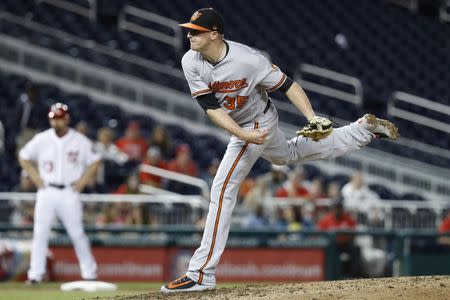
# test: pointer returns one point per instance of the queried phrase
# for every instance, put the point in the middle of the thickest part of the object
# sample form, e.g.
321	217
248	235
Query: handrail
90	12
355	98
152	190
124	24
194	200
93	46
200	183
444	11
417	118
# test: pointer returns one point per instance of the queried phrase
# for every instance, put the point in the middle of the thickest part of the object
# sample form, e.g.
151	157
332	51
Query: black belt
267	106
58	186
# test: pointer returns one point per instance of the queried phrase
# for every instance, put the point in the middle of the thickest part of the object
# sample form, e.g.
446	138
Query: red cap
183	148
58	110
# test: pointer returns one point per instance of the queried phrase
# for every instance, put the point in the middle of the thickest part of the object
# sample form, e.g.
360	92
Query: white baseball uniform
61	161
241	82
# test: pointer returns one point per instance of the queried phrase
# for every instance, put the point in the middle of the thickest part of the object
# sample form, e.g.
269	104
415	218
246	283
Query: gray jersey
240	82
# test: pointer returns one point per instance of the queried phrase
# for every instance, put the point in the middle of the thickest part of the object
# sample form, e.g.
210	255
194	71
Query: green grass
51	291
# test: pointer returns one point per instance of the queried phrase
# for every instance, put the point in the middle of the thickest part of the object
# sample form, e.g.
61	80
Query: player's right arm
32	171
223	120
27	156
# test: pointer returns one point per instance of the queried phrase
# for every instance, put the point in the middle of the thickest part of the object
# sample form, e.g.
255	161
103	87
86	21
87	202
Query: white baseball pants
66	205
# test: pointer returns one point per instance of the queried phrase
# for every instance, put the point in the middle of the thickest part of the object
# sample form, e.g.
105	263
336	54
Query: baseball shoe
380	127
32	282
184	284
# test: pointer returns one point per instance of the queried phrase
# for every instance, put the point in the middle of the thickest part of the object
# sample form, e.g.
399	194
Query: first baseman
60	161
231	83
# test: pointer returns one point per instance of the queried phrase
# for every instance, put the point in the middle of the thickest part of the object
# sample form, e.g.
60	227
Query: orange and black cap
205	19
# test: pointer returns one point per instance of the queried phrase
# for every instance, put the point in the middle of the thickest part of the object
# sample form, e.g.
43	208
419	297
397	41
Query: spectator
153	158
123	213
315	191
257	219
133	144
83	128
246	186
294	186
105	145
131	186
265	186
339	219
360	199
444	227
298	222
120	214
183	163
281	221
333	190
160	138
110	153
30	113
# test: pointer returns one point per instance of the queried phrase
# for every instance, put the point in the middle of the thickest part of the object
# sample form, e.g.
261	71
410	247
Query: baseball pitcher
60	161
231	82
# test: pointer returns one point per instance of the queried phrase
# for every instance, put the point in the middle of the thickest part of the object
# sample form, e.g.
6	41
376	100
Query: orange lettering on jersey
228	86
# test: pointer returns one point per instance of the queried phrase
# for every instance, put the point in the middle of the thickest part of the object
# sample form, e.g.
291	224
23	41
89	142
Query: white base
88	286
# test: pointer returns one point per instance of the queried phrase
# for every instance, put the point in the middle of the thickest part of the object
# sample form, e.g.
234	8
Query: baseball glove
317	128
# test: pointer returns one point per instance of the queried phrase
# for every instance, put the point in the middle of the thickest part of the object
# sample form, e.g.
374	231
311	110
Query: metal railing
305	69
444	11
163	69
412	5
415	117
88	12
174	40
199	206
194	181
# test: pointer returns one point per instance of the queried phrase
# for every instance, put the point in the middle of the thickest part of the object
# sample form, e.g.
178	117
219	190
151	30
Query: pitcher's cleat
380	127
184	284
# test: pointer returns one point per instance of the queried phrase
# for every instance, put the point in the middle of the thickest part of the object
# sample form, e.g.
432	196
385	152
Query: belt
267	106
58	186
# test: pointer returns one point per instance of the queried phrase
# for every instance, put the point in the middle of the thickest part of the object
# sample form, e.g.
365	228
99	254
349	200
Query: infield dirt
411	288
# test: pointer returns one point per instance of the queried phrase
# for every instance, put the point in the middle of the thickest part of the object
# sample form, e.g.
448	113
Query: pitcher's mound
424	287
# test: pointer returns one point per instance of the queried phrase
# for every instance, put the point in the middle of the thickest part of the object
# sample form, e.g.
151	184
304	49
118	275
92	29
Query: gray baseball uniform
241	82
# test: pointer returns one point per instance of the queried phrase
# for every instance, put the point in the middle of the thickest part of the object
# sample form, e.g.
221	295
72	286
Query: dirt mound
429	288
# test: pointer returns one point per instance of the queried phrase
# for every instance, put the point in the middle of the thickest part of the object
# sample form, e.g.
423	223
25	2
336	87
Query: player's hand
78	185
39	183
256	136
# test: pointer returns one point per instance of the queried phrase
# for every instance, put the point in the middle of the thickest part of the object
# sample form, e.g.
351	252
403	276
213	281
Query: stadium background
117	65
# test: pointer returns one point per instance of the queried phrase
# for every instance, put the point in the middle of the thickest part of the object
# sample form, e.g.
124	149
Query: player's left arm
298	97
87	176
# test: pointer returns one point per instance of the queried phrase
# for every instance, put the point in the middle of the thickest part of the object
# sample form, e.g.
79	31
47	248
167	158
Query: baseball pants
66	205
235	166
